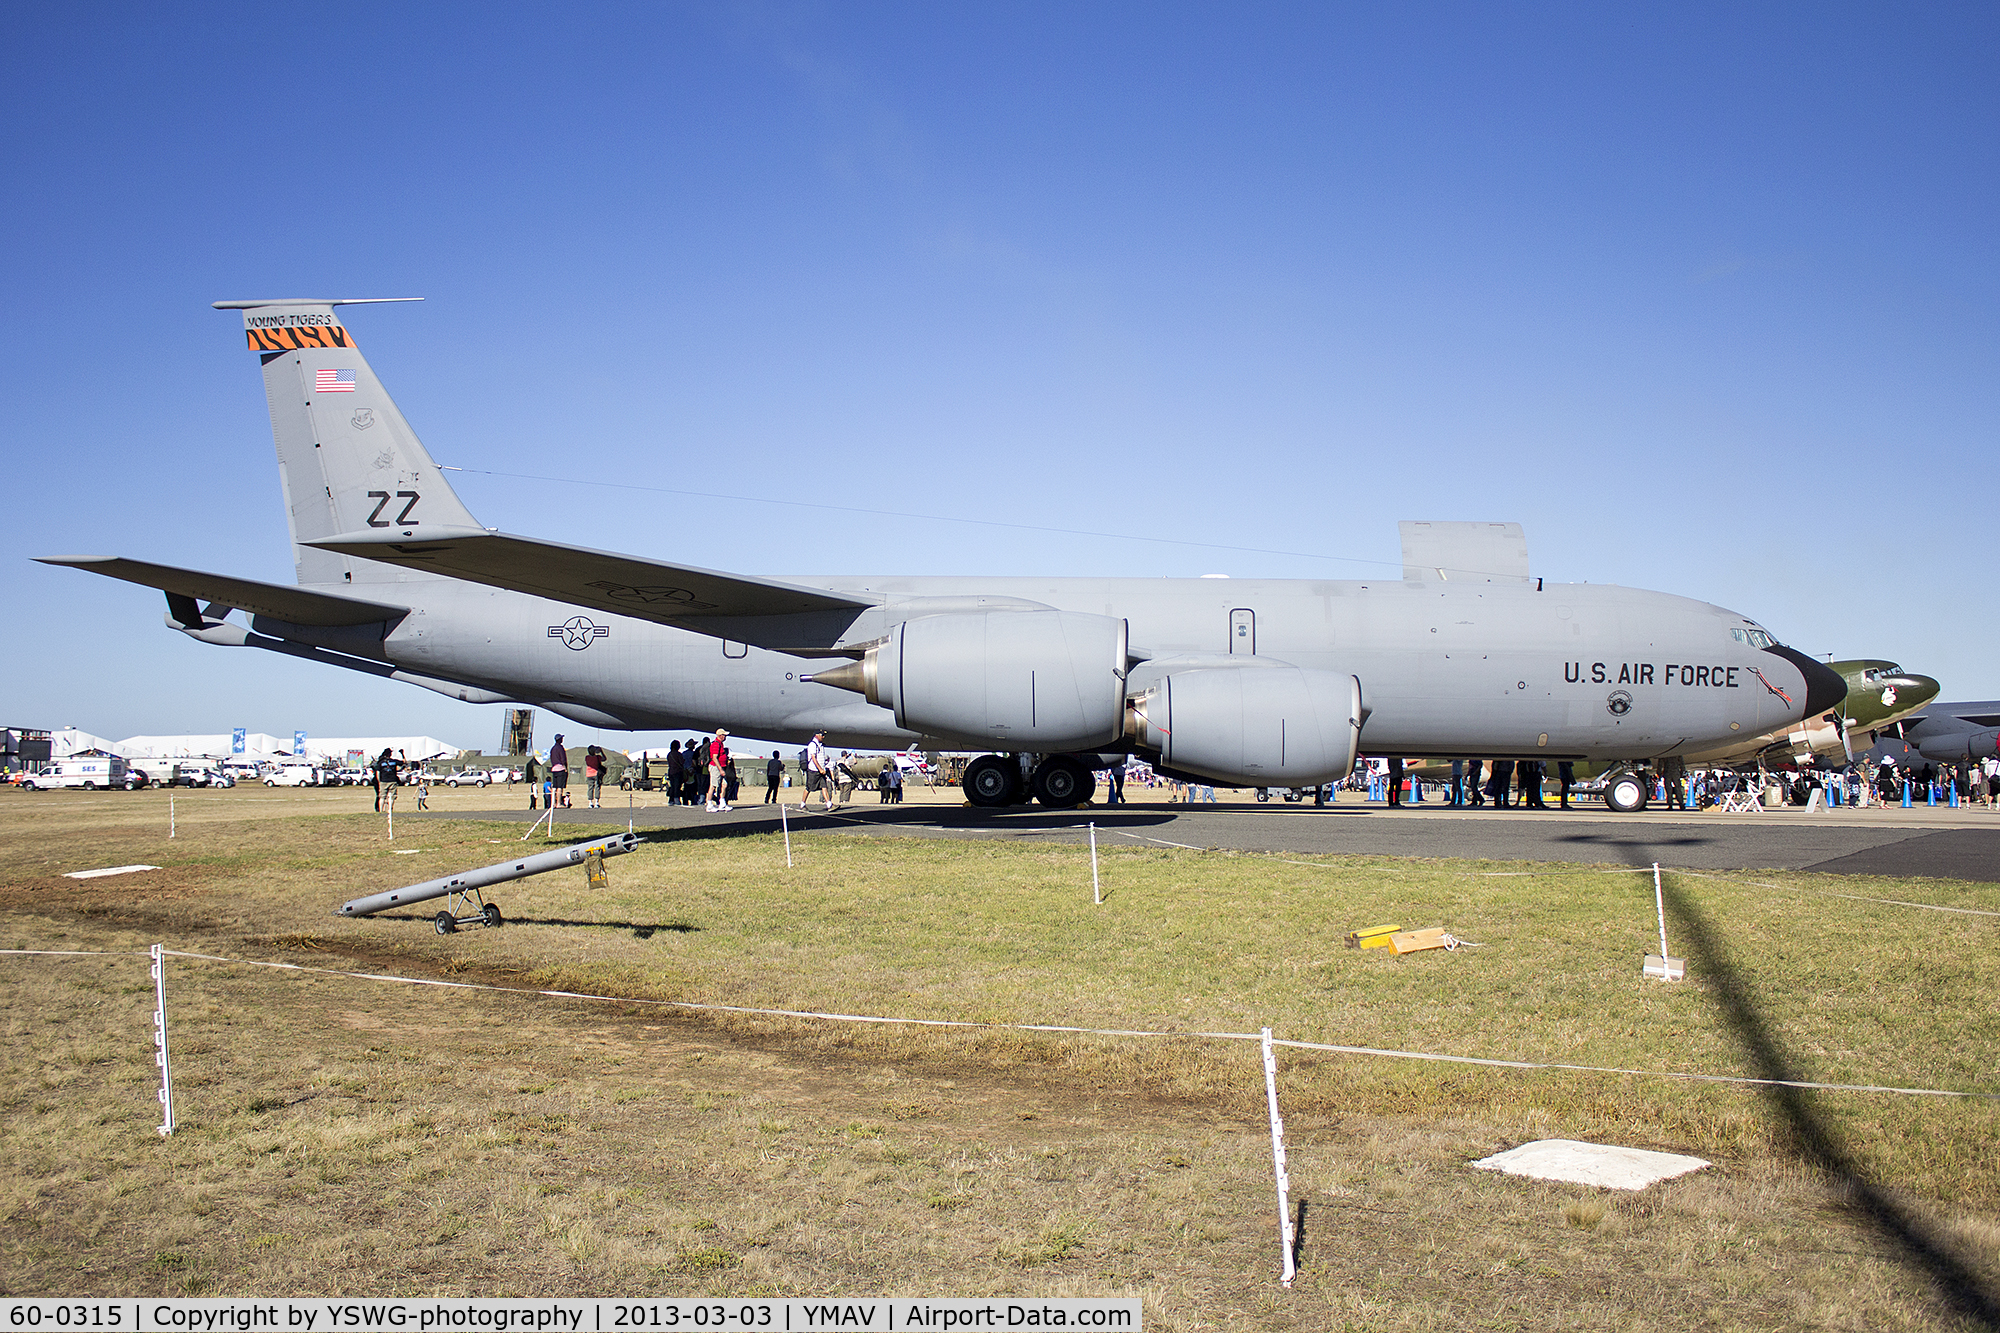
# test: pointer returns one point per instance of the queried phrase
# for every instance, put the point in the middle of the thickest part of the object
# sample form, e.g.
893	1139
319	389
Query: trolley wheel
491	914
446	923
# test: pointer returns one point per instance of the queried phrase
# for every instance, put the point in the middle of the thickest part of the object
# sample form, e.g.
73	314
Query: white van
91	773
292	775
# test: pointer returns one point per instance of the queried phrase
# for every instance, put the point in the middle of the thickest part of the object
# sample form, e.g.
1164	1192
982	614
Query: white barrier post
785	821
550	816
170	815
1096	894
1285	1233
160	1039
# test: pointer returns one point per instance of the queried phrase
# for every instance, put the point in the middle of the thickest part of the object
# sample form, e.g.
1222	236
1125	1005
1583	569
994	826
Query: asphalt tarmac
1959	844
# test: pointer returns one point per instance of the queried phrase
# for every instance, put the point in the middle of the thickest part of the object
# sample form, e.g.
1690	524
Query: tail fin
347	459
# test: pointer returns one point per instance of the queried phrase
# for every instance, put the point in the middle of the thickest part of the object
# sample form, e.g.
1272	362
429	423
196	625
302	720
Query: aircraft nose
1913	691
1825	687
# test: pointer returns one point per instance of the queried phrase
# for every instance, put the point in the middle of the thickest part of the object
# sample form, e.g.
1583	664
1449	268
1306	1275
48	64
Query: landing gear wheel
992	781
446	923
1626	793
490	914
1061	783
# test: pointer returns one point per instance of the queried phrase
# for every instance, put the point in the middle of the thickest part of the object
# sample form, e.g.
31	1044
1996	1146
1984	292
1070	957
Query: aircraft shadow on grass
1810	1138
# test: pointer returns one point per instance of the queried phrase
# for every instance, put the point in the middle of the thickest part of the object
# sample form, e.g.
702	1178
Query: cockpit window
1753	636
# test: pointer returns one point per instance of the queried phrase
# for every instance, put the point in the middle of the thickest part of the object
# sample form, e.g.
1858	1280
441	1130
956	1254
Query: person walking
1115	783
895	772
718	772
821	768
423	789
531	773
1501	782
559	771
593	776
882	782
1395	782
774	773
1475	796
1457	783
1565	774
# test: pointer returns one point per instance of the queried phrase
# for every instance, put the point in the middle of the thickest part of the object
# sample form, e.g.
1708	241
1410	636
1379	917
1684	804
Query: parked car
468	777
293	775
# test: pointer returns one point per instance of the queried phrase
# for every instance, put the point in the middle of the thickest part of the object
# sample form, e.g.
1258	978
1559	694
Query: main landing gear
1626	791
1060	782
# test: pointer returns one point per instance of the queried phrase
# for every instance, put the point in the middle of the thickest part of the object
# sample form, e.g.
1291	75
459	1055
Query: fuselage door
1243	631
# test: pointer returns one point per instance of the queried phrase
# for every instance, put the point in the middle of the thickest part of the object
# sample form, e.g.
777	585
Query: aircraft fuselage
1564	670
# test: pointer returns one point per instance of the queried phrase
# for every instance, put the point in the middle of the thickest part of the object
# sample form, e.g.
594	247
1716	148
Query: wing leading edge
785	617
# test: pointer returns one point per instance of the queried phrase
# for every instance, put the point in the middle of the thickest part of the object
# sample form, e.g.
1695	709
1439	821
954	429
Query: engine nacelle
1959	746
1261	726
1037	681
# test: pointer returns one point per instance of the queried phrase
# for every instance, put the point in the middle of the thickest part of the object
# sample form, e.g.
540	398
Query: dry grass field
340	1134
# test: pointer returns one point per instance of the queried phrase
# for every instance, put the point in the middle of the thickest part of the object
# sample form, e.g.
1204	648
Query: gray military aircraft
1959	733
1264	682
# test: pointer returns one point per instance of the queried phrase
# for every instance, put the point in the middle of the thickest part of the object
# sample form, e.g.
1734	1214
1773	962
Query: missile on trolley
470	882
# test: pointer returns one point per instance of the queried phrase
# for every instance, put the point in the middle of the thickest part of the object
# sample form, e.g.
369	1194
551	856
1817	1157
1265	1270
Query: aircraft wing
766	612
296	605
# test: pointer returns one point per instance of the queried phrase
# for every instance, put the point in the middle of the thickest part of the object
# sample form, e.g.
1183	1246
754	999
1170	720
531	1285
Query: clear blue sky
1705	296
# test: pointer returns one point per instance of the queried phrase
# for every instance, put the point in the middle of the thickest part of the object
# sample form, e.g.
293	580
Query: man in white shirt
816	760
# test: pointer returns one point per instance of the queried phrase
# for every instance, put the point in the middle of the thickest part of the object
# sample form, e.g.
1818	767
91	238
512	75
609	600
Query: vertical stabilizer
347	459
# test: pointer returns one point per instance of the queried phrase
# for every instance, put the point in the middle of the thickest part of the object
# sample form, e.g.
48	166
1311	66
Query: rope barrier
1071	1030
1055	1028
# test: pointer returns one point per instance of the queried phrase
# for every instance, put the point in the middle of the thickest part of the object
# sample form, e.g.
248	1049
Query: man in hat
559	773
819	771
718	771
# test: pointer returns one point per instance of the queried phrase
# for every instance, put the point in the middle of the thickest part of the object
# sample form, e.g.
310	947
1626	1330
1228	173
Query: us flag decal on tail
291	339
333	381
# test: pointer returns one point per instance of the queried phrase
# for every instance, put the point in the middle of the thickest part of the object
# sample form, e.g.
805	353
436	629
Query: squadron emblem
363	419
578	633
1619	703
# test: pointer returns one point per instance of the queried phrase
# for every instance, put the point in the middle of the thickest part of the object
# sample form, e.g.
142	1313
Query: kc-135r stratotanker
1244	682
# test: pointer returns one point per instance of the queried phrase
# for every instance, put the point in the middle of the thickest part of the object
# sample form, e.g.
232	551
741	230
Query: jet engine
1037	681
1262	726
1957	747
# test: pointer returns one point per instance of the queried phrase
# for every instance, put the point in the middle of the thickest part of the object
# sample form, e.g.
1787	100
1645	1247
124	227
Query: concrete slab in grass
1598	1164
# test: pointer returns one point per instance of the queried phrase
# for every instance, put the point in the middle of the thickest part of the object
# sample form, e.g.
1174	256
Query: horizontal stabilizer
703	600
296	605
